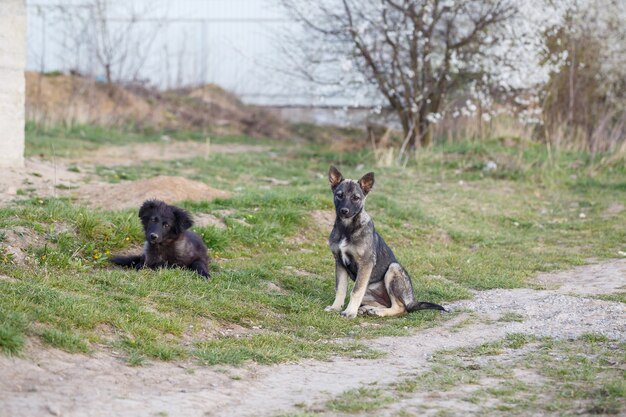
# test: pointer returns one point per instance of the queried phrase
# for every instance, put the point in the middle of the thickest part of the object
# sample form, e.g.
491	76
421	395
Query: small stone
490	166
53	410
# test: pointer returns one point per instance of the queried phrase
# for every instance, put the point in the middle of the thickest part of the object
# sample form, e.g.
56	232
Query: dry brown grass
71	99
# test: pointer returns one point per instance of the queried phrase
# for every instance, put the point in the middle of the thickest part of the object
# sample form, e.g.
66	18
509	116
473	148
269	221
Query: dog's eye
355	198
166	225
339	195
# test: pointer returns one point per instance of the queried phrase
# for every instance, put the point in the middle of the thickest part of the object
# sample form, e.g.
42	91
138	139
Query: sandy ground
51	382
54	178
41	177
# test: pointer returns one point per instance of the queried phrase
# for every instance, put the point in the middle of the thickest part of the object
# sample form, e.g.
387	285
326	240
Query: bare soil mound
206	219
75	99
16	241
132	194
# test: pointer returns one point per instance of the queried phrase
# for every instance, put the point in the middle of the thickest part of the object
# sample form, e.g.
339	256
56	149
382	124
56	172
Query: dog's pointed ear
147	206
367	182
334	177
183	219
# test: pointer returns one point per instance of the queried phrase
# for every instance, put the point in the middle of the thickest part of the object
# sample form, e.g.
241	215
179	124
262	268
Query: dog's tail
135	261
423	305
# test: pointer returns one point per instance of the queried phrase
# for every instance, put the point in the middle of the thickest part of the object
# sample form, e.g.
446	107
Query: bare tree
412	53
584	100
117	36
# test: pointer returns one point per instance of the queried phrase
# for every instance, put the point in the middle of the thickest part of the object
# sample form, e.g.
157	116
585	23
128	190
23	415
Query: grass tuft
64	340
364	399
12	329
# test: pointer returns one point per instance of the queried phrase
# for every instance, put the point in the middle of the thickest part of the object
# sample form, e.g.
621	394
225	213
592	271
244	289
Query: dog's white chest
343	246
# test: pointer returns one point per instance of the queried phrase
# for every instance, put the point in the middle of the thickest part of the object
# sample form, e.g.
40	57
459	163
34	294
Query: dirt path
50	382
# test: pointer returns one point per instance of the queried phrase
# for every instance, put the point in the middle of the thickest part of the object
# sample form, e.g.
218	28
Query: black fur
168	242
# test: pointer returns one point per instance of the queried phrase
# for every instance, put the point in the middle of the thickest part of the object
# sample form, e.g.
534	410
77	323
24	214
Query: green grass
452	226
364	399
272	348
510	316
12	329
619	296
64	340
70	141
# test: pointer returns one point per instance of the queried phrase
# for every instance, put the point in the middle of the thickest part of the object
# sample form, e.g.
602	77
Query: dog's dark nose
154	236
344	211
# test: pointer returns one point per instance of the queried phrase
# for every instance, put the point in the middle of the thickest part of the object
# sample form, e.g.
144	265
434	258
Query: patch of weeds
69	342
153	348
135	358
445	374
445	413
364	399
6	257
517	340
404	413
489	348
584	373
594	338
270	349
463	323
117	174
507	389
619	297
12	329
549	376
216	239
511	316
608	398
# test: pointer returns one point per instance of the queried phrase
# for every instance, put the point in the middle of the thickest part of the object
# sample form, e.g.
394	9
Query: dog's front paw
348	314
371	311
332	308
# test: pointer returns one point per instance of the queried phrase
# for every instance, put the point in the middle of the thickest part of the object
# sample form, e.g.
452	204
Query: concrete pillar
12	82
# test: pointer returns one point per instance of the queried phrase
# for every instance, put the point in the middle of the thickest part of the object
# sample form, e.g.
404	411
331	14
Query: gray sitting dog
382	286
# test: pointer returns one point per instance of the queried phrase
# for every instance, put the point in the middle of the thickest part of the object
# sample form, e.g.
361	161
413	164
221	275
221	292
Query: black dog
168	242
382	286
